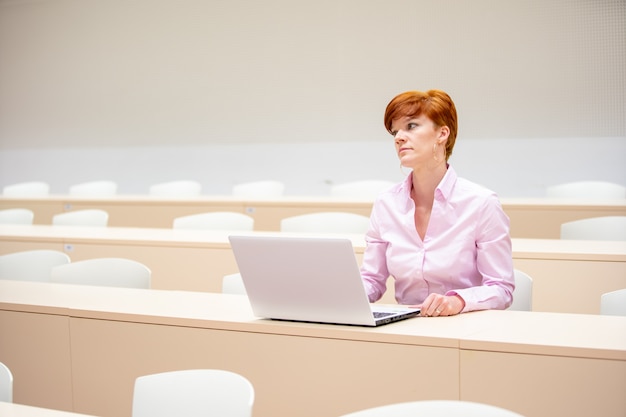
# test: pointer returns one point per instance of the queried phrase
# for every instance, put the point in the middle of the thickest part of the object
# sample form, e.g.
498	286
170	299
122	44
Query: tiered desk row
530	218
80	348
568	276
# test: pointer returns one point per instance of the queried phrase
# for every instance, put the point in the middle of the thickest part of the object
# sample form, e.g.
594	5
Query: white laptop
313	279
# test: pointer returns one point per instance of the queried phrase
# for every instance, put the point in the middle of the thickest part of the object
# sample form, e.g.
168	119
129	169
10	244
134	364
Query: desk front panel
292	375
544	222
43	208
19	245
36	348
544	385
570	285
172	267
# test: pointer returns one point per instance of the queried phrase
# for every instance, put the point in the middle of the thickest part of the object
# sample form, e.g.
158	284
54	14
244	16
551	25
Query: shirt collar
447	183
444	189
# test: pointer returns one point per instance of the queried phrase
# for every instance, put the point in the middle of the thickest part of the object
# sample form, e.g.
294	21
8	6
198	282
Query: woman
443	239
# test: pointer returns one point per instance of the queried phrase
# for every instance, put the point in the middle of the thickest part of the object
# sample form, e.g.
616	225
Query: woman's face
415	138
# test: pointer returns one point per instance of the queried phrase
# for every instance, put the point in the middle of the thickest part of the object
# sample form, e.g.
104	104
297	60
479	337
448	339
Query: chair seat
259	189
325	222
6	384
31	265
596	228
193	393
102	188
27	189
176	189
109	272
218	220
587	190
613	303
367	189
16	216
87	217
435	408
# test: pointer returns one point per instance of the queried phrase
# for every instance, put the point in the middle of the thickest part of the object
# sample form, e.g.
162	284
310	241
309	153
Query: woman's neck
425	182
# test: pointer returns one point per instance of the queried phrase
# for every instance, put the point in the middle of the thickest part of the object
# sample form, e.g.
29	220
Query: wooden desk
198	260
113	335
541	218
179	259
530	217
20	410
522	361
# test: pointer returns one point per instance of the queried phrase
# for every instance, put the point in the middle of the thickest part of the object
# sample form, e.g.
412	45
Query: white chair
435	408
31	265
523	293
6	384
94	189
27	189
16	216
193	393
259	189
87	217
217	220
106	272
587	190
325	222
233	284
367	189
178	189
595	228
613	303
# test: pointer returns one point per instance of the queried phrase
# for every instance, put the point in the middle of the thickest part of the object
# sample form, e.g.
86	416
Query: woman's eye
394	133
412	126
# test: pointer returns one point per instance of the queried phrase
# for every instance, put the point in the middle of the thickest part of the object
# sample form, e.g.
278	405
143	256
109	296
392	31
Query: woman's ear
444	133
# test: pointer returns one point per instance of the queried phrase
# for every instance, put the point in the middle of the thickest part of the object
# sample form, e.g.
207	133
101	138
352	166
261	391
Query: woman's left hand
437	305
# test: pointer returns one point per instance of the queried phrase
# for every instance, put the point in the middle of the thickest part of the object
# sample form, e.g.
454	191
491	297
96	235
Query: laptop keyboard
380	314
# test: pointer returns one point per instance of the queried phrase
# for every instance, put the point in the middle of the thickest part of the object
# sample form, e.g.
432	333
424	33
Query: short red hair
434	104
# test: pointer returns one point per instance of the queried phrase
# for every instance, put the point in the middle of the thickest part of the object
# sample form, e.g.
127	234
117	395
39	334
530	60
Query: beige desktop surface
20	410
462	354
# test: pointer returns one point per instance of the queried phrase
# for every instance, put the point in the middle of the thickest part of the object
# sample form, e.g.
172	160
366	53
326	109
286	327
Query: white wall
512	167
227	91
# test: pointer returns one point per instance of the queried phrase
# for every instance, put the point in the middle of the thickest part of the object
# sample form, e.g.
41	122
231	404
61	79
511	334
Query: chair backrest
435	408
587	190
6	384
613	303
595	228
178	189
523	293
193	393
94	189
233	284
87	217
326	222
16	216
259	189
27	189
106	272
31	265
217	220
368	189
